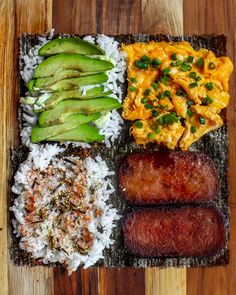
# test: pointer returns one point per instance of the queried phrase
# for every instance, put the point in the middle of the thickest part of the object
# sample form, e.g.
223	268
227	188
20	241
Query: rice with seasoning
62	212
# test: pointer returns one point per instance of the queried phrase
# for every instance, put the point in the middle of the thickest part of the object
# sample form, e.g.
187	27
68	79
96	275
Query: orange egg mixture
175	93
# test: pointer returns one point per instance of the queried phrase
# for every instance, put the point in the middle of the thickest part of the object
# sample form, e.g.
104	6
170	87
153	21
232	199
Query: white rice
37	242
112	127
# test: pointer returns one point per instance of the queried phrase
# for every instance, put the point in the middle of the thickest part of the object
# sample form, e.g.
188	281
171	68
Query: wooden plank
160	16
165	281
199	20
6	60
102	16
163	17
17	17
122	281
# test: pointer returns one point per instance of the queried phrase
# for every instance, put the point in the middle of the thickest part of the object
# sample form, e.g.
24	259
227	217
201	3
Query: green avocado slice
75	83
68	107
85	133
71	61
43	133
70	45
60	75
50	100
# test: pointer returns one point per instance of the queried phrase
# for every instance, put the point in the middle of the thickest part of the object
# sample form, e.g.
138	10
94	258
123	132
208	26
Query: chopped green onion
209	86
154	113
193	85
156	61
198	78
202	120
162	107
157	131
141	65
190	59
185	68
207	99
211	66
160	95
189	113
150	135
138	124
200	62
190	102
146	59
133	80
173	56
179	63
132	88
147	92
144	100
167	93
193	129
166	71
148	106
173	64
192	75
181	92
155	85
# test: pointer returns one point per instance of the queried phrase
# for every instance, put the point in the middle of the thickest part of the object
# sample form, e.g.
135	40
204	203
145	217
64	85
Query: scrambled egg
175	93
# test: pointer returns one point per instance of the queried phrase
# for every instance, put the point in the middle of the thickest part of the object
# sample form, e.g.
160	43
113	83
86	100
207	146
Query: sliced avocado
60	75
82	118
70	45
71	61
75	83
30	85
50	100
84	133
40	134
65	108
73	121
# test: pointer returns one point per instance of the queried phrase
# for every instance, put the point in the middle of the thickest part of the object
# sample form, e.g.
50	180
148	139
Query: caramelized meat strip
168	177
186	232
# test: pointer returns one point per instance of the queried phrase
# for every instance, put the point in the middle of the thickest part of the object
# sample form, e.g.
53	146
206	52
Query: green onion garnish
132	88
200	62
189	113
167	93
211	66
148	106
154	113
192	74
209	86
190	59
173	56
202	120
133	80
144	100
193	85
141	65
147	92
193	129
150	135
160	95
138	124
155	85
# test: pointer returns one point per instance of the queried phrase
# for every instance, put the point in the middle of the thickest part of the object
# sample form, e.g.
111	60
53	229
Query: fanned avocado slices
66	108
60	75
70	45
71	61
75	83
50	100
84	133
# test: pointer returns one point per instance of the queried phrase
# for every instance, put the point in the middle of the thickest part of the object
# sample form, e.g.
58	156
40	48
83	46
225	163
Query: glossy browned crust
185	232
151	178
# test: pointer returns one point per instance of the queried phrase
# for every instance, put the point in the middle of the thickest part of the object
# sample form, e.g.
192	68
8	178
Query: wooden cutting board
174	17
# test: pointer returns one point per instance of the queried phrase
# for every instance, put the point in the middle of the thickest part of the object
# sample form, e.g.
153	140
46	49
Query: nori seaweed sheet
214	144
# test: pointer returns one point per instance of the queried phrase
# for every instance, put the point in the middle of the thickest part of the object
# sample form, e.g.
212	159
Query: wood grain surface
110	17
